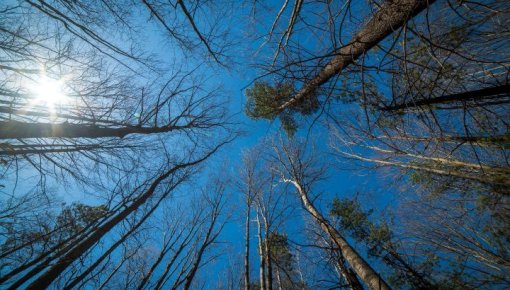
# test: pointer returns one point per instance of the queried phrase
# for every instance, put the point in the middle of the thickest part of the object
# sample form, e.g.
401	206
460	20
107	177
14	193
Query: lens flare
49	92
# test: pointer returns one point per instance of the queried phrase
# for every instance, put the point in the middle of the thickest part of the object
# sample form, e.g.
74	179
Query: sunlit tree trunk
247	248
279	278
360	266
269	262
262	268
502	140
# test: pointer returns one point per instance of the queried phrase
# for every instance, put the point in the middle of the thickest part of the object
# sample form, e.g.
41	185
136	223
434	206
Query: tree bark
269	274
162	278
279	278
345	272
22	130
476	95
368	275
247	249
391	16
39	263
24	112
262	268
419	281
500	140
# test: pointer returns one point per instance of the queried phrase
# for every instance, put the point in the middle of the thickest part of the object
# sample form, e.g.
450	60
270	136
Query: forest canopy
227	144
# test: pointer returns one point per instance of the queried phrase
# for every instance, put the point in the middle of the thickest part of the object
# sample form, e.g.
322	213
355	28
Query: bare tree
390	17
467	233
300	172
250	183
165	182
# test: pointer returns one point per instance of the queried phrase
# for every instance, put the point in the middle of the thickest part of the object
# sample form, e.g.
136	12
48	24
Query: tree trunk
345	272
262	268
22	130
208	240
419	281
476	95
247	249
267	254
269	275
24	112
391	16
368	275
117	268
55	270
279	278
162	278
498	140
47	257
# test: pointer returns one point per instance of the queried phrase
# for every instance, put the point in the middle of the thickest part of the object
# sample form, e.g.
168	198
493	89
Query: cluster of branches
420	89
443	242
277	183
127	130
278	267
95	245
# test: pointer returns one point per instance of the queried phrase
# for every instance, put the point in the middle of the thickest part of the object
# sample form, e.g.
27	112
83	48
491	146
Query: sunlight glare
49	91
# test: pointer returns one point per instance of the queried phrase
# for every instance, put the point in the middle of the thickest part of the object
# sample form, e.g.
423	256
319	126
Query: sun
49	92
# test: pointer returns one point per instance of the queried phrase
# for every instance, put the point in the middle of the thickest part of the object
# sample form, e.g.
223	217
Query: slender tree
300	174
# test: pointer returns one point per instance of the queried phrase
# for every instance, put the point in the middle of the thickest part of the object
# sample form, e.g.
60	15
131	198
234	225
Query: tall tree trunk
498	140
210	237
419	281
247	248
449	162
368	275
262	267
267	253
117	268
12	151
269	262
162	278
55	270
279	278
25	112
497	92
158	261
22	130
345	272
40	262
392	15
